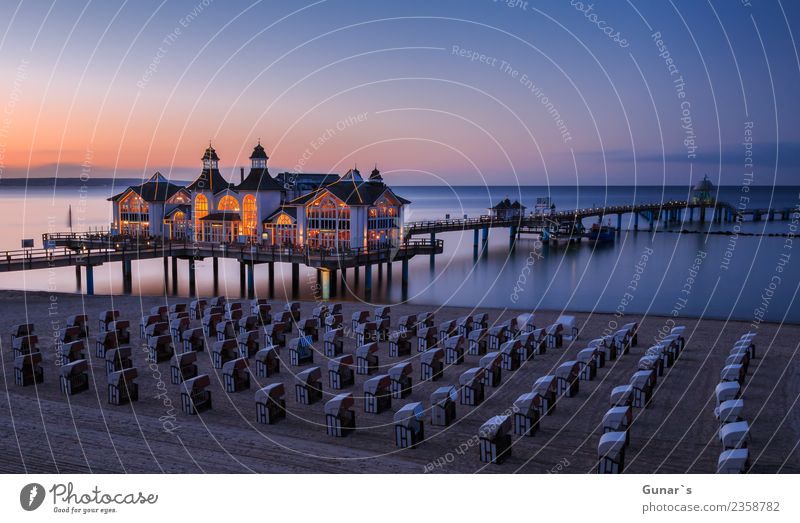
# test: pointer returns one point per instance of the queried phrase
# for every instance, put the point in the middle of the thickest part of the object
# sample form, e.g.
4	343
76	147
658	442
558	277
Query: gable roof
155	189
259	179
291	211
209	180
352	192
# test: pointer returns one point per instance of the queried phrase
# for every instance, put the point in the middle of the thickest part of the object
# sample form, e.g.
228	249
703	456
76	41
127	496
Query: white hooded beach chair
196	308
217	301
263	311
81	321
308	386
607	347
495	439
408	325
25	345
478	342
357	318
146	321
526	323
465	325
622	396
611	453
249	343
492	363
275	334
72	351
222	352
730	411
367	359
733	461
727	390
340	418
481	320
236	375
116	334
447	329
162	311
118	359
510	358
431	364
333	322
74	377
178	326
677	332
209	323
28	369
738	357
19	330
555	336
194	340
588	361
122	389
498	335
294	308
399	344
734	435
319	313
366	332
234	310
527	346
547	388
471	383
226	330
733	373
643	383
619	419
301	351
512	327
570	326
409	428
161	348
154	330
652	362
632	329
333	343
194	396
528	409
309	327
443	405
183	367
247	323
340	372
271	404
426	319
106	317
747	345
400	375
384	329
267	362
454	348
383	313
377	394
567	378
426	338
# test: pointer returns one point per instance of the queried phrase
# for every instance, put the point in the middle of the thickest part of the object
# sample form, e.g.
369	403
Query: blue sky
440	92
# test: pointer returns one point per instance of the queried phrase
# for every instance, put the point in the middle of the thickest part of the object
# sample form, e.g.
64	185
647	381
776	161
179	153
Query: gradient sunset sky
128	88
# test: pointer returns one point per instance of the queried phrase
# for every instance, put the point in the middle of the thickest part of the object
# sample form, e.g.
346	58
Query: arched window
249	215
200	211
228	203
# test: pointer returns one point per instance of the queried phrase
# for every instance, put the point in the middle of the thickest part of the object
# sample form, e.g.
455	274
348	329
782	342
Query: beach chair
178	308
333	343
236	375
426	319
340	418
495	439
512	328
25	345
271	404
619	419
510	355
122	389
747	344
319	313
293	308
366	332
464	325
633	334
526	323
738	357
547	388
611	453
263	311
677	334
162	311
357	318
652	362
409	428
408	325
480	320
267	362
74	377
431	364
400	375
209	322
492	361
725	391
249	343
194	340
308	386
570	327
733	461
471	383
68	335
247	323
119	358
588	360
498	335
194	396
72	351
443	406
106	317
527	346
183	367
382	313
217	301
399	345
121	330
333	322
81	321
367	359
426	338
478	342
28	369
733	373
256	303
19	330
378	394
606	347
301	351
161	348
178	326
275	334
528	409
222	352
196	308
730	411
384	326
567	378
234	310
340	372
447	329
154	330
643	383
734	435
310	327
620	342
555	336
226	330
621	396
454	348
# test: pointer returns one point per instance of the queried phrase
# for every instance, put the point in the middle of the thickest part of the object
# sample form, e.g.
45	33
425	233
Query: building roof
352	192
184	208
155	189
222	216
704	185
210	154
506	204
291	211
259	152
305	180
375	175
209	180
259	180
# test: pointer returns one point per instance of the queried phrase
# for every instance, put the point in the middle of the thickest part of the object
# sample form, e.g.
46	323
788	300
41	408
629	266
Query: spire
375	176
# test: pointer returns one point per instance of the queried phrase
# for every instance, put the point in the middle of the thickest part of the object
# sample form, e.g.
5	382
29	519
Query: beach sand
43	431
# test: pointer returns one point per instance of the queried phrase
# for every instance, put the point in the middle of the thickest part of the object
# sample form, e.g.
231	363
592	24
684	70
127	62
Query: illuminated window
200	211
228	203
249	214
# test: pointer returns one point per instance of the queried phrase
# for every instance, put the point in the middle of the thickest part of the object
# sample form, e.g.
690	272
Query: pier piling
324	280
174	275
295	280
271	275
251	280
192	281
89	280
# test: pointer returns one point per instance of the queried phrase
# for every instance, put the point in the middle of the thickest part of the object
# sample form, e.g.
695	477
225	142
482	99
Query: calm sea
750	276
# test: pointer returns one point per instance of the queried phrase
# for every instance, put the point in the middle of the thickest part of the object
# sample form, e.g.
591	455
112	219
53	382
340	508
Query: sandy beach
43	431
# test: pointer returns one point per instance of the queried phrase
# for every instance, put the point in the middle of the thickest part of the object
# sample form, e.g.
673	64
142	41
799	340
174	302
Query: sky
433	92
